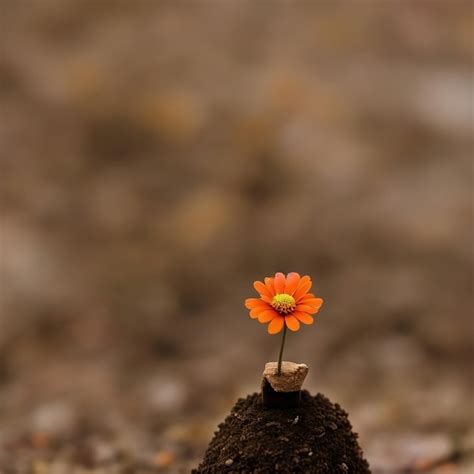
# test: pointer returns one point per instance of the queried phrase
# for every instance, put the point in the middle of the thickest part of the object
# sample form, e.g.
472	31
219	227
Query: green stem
281	349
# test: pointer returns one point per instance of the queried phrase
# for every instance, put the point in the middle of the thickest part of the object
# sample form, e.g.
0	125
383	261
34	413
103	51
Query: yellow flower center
284	303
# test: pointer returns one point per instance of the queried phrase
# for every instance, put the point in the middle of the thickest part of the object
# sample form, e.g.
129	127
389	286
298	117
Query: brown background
159	156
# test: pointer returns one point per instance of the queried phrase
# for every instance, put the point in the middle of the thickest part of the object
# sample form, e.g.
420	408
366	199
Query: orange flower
284	301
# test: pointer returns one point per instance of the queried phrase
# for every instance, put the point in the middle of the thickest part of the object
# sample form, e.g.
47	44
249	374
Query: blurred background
159	156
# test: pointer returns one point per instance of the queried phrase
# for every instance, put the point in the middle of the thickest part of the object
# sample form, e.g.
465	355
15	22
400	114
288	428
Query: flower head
284	301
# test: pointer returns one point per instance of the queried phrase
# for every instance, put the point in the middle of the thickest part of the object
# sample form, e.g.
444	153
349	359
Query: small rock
164	459
229	462
53	417
295	420
321	433
40	467
291	378
409	451
166	393
104	452
40	440
272	423
344	467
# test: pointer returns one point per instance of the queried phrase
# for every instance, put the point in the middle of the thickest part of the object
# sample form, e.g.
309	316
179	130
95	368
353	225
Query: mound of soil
314	437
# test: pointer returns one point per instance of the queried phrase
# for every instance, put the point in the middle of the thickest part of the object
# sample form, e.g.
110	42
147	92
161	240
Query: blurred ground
158	156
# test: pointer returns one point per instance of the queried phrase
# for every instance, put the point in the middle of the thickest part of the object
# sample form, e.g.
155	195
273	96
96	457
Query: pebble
229	462
53	417
40	467
104	452
164	458
405	451
166	393
321	434
272	423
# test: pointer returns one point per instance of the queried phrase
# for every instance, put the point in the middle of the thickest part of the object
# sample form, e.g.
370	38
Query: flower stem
281	350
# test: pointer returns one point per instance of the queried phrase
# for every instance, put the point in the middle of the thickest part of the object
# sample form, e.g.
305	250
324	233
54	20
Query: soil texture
315	437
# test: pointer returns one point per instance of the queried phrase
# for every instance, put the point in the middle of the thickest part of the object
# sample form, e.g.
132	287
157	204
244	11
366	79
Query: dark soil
315	437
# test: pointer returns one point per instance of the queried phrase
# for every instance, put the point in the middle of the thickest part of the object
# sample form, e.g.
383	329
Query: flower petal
292	322
307	296
276	325
279	282
303	287
267	315
253	302
270	286
292	280
303	317
254	312
306	308
261	288
315	303
267	299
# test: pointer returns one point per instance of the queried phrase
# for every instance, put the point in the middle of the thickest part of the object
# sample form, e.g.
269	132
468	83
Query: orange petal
256	311
292	280
306	309
315	303
279	282
307	296
303	287
267	315
261	288
270	286
253	302
276	325
292	322
267	299
303	317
